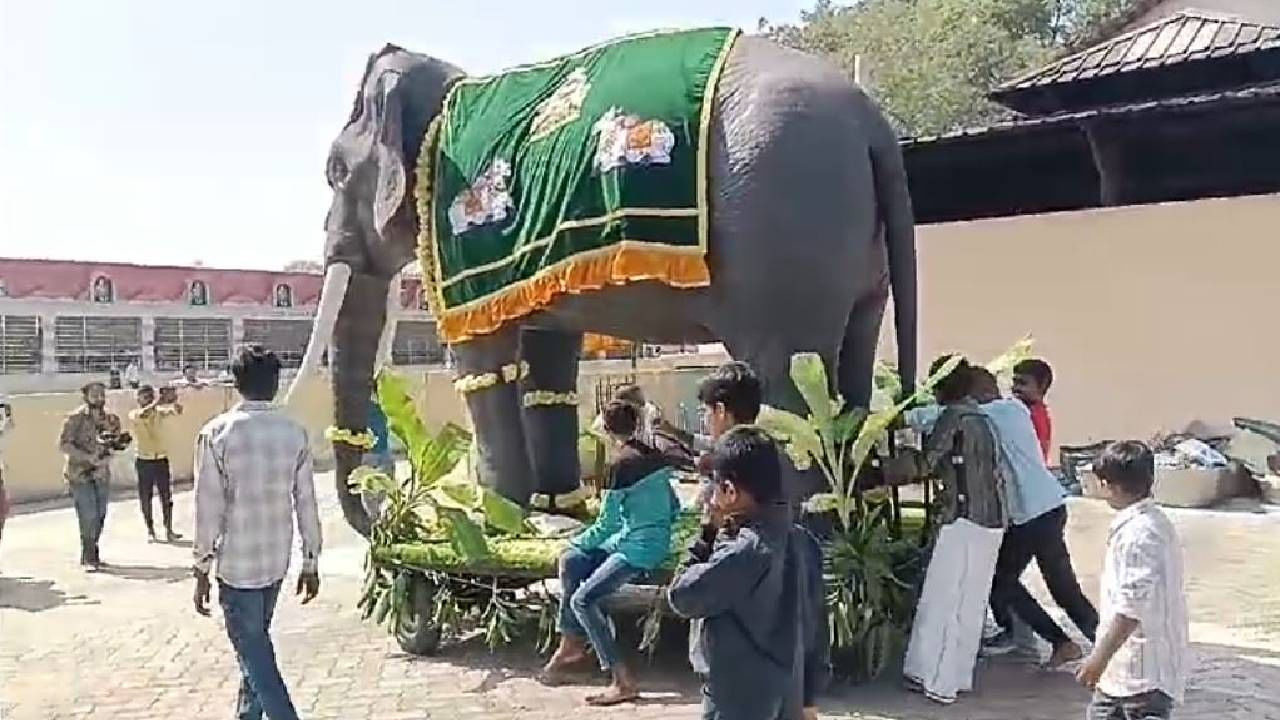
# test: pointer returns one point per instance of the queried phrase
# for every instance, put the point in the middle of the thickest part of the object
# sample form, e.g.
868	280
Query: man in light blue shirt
1038	515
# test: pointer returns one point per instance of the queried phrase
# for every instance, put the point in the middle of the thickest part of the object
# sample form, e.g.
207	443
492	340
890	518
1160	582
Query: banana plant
888	385
439	500
868	571
1002	365
433	500
837	438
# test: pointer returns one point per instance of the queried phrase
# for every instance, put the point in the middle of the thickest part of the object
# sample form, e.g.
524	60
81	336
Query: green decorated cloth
569	175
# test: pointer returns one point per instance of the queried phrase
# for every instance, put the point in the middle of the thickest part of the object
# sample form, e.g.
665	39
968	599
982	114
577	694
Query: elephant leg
503	462
855	374
550	422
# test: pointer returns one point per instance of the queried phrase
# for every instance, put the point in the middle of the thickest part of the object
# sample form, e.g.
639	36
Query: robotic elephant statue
810	227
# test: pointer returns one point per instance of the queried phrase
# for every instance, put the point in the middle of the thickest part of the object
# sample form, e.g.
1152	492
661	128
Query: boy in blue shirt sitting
631	536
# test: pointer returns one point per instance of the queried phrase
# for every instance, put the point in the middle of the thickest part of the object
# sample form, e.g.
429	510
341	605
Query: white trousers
947	631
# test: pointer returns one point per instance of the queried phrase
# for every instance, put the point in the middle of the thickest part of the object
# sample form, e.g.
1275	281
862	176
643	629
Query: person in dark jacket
746	584
631	536
815	645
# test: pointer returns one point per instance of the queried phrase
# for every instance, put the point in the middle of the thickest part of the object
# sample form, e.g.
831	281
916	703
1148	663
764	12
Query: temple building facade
65	322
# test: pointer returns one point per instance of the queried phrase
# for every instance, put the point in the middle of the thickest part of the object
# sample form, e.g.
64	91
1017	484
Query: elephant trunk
353	358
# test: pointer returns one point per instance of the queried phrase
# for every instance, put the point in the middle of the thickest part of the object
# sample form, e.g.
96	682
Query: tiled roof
23	278
1185	36
1258	92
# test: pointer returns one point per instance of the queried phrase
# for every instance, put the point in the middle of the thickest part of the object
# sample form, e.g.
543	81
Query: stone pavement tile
111	647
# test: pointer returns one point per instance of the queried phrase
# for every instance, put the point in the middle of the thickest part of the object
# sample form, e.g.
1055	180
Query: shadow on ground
32	595
1224	680
63	501
150	573
664	677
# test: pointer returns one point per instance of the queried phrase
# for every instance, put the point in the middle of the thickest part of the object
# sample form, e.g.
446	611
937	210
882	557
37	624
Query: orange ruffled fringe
617	265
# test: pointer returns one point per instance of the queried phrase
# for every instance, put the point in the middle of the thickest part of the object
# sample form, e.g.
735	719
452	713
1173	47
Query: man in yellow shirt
150	420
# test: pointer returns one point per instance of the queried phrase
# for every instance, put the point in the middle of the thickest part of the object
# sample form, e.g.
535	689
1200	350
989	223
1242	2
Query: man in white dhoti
961	454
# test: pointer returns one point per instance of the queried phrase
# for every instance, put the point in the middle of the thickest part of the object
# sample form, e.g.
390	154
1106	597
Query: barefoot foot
557	669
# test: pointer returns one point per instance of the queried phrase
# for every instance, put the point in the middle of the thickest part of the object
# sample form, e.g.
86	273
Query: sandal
613	696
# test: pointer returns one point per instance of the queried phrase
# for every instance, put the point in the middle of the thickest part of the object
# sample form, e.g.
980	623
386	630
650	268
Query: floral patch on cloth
563	107
568	176
627	140
486	201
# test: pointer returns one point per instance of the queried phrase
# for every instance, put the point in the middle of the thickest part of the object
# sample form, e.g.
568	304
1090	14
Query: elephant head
371	232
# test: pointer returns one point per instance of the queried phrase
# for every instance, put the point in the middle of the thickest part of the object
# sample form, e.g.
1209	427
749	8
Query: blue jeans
248	617
1153	705
90	500
586	579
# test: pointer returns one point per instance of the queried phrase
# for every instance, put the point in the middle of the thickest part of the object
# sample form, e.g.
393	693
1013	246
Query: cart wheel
415	633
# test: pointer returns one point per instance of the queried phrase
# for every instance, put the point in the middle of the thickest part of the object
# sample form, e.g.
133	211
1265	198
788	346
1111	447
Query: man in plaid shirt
253	474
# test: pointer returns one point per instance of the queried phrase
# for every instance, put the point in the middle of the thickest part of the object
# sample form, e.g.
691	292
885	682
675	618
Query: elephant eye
336	173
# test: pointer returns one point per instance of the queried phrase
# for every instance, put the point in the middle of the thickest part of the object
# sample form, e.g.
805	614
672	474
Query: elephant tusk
336	278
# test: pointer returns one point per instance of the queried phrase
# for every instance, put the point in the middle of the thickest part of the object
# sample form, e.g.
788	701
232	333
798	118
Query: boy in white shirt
1138	670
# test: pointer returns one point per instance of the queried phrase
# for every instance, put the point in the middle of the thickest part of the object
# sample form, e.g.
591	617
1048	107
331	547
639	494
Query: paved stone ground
125	645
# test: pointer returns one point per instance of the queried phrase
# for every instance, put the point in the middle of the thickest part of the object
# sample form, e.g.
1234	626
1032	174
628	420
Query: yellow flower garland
508	373
471	383
363	440
541	398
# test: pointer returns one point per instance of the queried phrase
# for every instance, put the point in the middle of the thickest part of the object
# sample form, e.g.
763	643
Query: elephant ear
389	150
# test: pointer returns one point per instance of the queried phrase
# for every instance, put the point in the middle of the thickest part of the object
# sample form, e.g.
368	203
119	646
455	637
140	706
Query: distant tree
304	266
931	63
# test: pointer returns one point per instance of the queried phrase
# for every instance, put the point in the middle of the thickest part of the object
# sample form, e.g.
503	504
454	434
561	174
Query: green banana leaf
457	492
846	426
1002	365
465	536
402	415
877	424
367	480
501	513
810	378
887	385
796	433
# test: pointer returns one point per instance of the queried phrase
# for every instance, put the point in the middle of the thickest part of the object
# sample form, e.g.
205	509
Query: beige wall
1153	317
33	464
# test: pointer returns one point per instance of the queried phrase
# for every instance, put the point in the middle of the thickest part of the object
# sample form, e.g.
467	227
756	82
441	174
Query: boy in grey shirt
745	584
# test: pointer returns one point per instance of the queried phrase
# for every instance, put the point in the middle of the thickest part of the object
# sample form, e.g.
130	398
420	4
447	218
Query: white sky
158	131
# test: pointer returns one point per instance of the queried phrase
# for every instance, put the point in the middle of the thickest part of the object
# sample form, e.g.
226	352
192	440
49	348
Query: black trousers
1044	540
1153	705
153	478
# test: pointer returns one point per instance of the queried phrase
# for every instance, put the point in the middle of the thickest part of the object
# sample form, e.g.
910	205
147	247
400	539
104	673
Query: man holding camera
90	435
